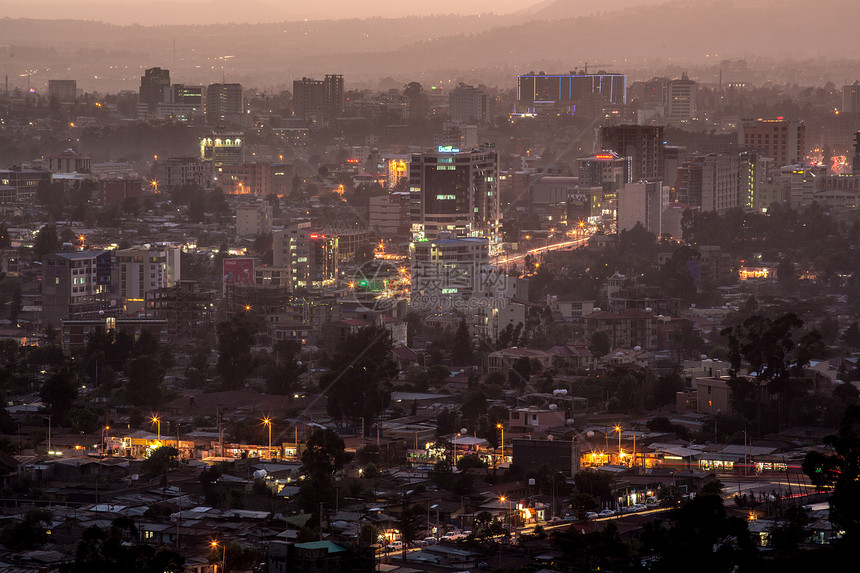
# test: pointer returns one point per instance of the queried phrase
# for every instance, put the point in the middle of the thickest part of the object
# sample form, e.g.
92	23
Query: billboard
237	271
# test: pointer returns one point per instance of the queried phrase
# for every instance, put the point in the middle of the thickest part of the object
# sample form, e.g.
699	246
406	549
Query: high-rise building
710	182
223	148
152	85
19	185
319	99
606	169
178	171
451	268
642	143
782	139
254	219
144	270
642	202
457	191
189	310
310	254
569	90
186	94
681	100
754	170
851	98
388	215
468	104
63	90
75	285
69	161
855	166
246	179
224	104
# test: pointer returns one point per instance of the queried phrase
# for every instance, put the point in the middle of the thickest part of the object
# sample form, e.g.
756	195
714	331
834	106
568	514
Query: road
505	259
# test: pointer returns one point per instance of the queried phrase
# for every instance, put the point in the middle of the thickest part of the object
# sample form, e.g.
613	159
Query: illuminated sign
604	156
352	160
448	149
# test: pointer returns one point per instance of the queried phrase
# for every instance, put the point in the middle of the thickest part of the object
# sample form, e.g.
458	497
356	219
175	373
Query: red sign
238	271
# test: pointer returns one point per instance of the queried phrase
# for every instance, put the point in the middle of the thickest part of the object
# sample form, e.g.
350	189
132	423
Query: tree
46	242
235	339
324	454
840	471
282	373
145	382
160	461
118	549
358	383
594	482
29	533
461	352
600	344
410	521
59	392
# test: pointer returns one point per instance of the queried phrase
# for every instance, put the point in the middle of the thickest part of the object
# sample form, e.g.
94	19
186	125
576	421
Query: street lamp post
268	422
618	429
214	545
501	427
104	430
157	421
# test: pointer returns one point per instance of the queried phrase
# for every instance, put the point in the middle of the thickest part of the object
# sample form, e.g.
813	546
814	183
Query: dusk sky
140	11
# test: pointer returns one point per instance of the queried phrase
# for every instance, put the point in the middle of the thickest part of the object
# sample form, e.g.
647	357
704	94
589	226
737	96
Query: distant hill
203	12
484	48
553	9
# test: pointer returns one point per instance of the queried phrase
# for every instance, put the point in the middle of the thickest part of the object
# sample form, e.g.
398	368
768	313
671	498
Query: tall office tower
681	101
710	182
334	97
782	139
319	99
63	90
457	191
856	165
309	254
468	104
223	103
654	93
185	94
152	85
75	285
642	202
569	90
754	171
643	143
144	270
449	267
851	98
607	169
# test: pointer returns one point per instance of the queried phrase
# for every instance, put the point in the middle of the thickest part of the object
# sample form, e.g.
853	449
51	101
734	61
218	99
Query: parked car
639	507
394	546
427	541
606	513
652	502
452	536
591	515
569	518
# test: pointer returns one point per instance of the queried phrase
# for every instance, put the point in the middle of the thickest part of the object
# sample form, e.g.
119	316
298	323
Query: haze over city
538	286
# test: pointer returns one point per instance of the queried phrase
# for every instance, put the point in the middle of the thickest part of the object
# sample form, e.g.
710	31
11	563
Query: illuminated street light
268	422
214	544
157	421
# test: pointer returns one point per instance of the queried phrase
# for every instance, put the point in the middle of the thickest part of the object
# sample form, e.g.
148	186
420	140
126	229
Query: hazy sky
157	12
